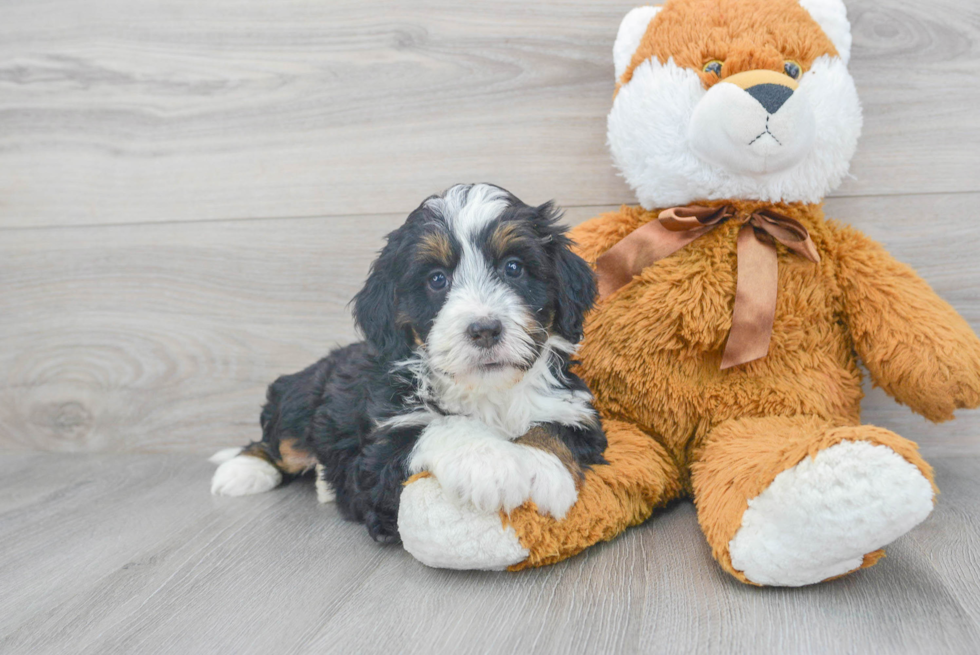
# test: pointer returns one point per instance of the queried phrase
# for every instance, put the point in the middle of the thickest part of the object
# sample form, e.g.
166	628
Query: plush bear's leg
640	476
791	501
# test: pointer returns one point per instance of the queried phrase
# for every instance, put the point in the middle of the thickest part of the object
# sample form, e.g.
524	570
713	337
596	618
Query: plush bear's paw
820	518
439	532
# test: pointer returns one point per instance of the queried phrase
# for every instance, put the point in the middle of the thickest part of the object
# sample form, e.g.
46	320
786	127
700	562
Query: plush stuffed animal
724	351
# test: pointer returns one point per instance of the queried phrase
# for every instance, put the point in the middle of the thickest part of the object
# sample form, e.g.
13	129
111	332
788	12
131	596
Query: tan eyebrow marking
435	247
504	236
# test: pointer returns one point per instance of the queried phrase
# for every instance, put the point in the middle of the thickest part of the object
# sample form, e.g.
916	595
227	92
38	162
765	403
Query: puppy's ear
576	292
375	306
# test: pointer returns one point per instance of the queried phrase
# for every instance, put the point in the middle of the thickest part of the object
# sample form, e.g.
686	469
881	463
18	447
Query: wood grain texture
163	337
191	192
120	112
130	554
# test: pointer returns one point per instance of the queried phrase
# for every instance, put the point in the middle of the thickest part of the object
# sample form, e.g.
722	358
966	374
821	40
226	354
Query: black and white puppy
470	316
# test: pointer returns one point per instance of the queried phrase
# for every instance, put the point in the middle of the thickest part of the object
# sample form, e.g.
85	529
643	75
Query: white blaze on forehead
469	208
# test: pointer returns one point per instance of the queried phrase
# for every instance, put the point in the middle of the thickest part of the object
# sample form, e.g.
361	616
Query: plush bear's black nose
485	332
770	96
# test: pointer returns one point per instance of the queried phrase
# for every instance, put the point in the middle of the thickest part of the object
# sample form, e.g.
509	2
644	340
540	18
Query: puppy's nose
770	96
485	332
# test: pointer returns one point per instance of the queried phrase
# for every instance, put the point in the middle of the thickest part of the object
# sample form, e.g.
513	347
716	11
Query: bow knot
756	286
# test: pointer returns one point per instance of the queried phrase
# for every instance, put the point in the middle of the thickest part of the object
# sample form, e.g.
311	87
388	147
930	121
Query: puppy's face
478	281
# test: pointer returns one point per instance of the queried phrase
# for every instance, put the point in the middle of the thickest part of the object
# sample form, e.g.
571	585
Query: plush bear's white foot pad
443	534
244	475
818	519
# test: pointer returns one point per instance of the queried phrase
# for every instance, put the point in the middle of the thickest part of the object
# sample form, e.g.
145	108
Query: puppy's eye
513	268
793	69
713	66
438	281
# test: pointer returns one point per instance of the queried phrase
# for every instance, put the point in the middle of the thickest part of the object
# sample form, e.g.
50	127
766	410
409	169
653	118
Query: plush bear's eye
793	69
713	66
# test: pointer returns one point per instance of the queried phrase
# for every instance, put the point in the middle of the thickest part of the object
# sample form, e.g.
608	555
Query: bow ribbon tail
645	246
672	230
755	298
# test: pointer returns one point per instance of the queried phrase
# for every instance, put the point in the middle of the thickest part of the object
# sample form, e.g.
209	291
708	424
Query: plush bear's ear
831	15
631	32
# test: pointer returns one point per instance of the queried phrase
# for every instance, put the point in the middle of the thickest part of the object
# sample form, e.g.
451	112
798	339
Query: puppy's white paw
244	475
552	486
489	474
224	455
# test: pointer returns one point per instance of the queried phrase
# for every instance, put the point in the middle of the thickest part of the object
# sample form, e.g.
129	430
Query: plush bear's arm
597	235
917	348
640	475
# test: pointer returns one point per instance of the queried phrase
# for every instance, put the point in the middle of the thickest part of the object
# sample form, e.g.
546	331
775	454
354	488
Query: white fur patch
552	486
441	533
658	105
479	466
469	208
818	519
631	31
732	130
244	475
325	492
509	402
477	295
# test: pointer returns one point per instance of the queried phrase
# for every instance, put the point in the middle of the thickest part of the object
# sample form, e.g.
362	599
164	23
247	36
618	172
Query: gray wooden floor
191	192
127	553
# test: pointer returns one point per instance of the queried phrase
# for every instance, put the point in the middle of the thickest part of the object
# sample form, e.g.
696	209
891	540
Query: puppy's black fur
332	410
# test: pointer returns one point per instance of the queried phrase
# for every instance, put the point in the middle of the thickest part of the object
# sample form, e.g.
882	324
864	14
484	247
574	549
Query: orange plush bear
723	354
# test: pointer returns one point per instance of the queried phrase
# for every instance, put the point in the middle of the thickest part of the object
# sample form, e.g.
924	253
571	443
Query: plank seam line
63	226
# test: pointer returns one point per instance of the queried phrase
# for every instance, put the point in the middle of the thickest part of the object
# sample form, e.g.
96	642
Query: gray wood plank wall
190	192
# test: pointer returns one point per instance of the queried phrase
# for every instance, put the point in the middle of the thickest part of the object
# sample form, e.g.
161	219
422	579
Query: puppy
470	316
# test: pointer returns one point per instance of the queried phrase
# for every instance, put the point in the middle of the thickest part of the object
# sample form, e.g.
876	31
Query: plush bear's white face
723	99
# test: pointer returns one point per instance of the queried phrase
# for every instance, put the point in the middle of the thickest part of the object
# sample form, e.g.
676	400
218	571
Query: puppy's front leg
472	463
556	475
478	465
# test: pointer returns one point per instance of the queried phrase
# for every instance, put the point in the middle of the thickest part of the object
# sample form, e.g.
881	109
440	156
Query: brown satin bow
755	291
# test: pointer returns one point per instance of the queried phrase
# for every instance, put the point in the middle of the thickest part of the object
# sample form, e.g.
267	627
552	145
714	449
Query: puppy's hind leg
248	471
261	465
325	492
258	467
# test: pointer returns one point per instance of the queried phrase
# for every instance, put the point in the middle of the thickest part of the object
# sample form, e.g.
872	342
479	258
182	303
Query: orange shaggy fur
741	33
678	425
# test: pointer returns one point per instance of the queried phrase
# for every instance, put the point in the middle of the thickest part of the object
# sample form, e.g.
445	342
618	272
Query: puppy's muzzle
485	333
